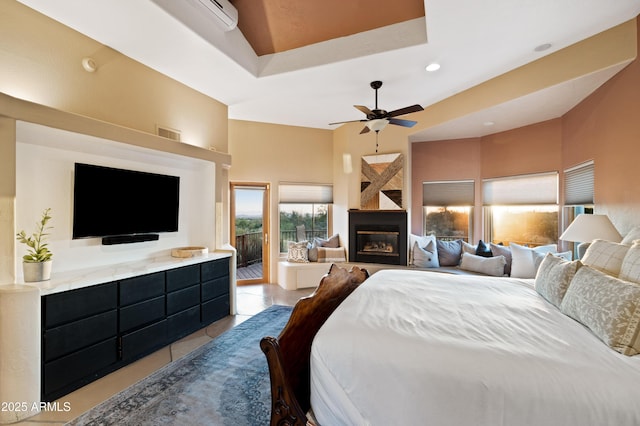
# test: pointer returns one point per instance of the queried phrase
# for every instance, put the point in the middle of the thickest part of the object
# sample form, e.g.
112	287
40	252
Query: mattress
413	347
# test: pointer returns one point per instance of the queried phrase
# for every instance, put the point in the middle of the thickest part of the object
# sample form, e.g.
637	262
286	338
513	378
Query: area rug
224	382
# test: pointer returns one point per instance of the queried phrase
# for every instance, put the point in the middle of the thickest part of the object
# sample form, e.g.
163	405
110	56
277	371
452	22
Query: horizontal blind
534	189
294	193
578	184
448	193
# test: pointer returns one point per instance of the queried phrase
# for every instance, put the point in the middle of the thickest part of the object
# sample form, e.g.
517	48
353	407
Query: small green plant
38	250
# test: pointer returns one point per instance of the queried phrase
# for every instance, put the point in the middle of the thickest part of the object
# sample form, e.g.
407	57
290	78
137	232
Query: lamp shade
589	227
377	124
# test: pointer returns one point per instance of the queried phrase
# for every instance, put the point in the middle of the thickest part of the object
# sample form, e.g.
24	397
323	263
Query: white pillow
605	256
426	257
630	268
298	252
486	265
523	259
631	236
423	241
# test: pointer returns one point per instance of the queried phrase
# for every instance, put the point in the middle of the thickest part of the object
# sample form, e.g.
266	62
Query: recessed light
432	67
488	123
542	47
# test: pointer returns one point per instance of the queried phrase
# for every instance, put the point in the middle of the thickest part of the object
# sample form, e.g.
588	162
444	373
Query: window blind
448	193
533	189
578	184
294	193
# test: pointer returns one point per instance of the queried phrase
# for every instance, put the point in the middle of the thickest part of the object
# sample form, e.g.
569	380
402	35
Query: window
448	209
578	194
304	212
522	209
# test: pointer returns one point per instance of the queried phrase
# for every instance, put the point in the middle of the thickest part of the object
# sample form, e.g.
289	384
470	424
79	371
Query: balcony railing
249	246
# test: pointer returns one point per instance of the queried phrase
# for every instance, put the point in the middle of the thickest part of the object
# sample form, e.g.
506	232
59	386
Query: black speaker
128	239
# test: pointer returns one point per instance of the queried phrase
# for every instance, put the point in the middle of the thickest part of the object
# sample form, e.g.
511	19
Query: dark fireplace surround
378	236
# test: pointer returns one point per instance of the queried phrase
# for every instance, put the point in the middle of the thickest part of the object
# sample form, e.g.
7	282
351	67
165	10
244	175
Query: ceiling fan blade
405	110
364	109
403	123
364	130
351	121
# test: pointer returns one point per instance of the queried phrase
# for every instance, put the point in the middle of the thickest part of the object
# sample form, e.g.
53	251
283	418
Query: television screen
110	202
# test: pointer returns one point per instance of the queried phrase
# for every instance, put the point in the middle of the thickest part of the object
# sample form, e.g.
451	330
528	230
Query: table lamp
587	227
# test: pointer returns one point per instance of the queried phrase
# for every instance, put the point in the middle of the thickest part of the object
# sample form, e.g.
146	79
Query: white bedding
413	348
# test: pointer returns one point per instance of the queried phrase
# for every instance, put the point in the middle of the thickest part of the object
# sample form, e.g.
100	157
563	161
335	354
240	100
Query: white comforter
423	348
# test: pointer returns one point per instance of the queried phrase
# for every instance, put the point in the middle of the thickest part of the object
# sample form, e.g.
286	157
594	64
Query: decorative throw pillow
538	257
554	276
523	260
331	255
486	265
630	268
631	236
426	257
298	252
468	248
608	306
500	250
423	241
483	250
605	256
449	252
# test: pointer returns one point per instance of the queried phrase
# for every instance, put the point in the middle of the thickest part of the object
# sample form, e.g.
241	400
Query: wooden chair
288	356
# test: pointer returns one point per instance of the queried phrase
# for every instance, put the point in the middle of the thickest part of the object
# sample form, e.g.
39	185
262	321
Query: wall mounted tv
123	206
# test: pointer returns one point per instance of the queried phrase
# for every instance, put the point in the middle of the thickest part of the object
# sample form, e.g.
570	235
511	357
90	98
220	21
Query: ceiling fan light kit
377	119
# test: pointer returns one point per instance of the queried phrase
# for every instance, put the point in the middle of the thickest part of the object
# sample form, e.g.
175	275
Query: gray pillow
500	250
449	252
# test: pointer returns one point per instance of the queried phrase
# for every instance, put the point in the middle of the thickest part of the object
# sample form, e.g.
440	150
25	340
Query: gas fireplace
378	236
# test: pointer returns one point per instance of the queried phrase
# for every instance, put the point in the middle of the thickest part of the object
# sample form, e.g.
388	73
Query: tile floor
251	299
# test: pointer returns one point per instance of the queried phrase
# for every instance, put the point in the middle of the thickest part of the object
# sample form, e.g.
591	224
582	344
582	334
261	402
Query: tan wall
605	127
458	159
41	61
272	153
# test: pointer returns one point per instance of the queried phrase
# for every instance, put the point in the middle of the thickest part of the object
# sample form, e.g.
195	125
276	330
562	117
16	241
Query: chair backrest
289	355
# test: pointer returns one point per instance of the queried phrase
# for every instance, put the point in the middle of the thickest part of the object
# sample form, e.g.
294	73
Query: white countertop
79	278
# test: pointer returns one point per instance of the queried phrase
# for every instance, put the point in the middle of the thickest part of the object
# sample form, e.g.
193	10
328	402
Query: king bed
416	347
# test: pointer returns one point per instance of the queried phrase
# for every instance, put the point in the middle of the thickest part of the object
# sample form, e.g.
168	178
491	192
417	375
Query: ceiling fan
377	119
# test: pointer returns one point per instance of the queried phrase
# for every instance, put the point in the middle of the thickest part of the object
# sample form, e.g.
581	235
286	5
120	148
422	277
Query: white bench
294	275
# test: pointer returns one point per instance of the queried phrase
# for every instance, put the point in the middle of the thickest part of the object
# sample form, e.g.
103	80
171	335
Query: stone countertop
79	278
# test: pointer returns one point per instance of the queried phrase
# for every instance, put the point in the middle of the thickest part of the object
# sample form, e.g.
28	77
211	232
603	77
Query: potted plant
36	263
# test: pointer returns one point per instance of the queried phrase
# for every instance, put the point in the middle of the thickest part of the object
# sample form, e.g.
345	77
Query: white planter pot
36	271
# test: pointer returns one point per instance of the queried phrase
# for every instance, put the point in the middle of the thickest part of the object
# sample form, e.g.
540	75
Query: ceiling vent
225	13
168	133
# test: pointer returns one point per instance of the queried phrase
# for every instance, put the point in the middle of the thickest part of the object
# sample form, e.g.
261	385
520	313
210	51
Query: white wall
45	159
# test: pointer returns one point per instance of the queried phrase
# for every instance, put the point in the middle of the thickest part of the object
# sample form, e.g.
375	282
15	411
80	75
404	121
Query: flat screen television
110	202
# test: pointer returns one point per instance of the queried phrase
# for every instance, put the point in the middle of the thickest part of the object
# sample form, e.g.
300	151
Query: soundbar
127	239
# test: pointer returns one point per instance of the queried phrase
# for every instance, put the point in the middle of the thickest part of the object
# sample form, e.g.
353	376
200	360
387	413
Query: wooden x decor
381	182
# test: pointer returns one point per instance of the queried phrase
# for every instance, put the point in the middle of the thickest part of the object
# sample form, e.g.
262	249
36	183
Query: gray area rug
224	382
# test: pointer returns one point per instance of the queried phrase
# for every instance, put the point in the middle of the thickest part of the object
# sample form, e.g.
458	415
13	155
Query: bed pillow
298	252
523	259
630	268
486	265
631	236
608	306
605	256
425	257
331	255
449	252
554	276
500	250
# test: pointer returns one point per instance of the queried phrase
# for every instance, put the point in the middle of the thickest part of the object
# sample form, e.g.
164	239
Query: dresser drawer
142	313
215	288
137	289
183	323
215	309
183	277
143	341
73	305
214	269
183	299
